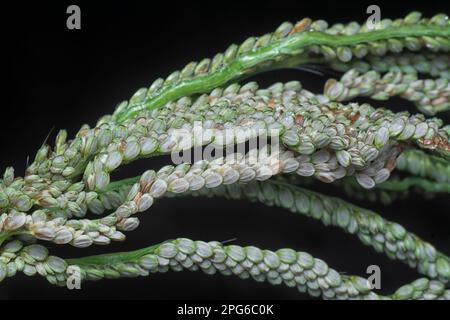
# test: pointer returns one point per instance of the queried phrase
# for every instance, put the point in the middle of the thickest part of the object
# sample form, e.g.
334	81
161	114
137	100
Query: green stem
112	258
408	182
115	185
247	64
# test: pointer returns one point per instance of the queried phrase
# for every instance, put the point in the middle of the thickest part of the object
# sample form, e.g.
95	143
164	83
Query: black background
59	78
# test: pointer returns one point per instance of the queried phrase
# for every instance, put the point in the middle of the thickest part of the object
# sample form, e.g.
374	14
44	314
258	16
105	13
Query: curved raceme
380	154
